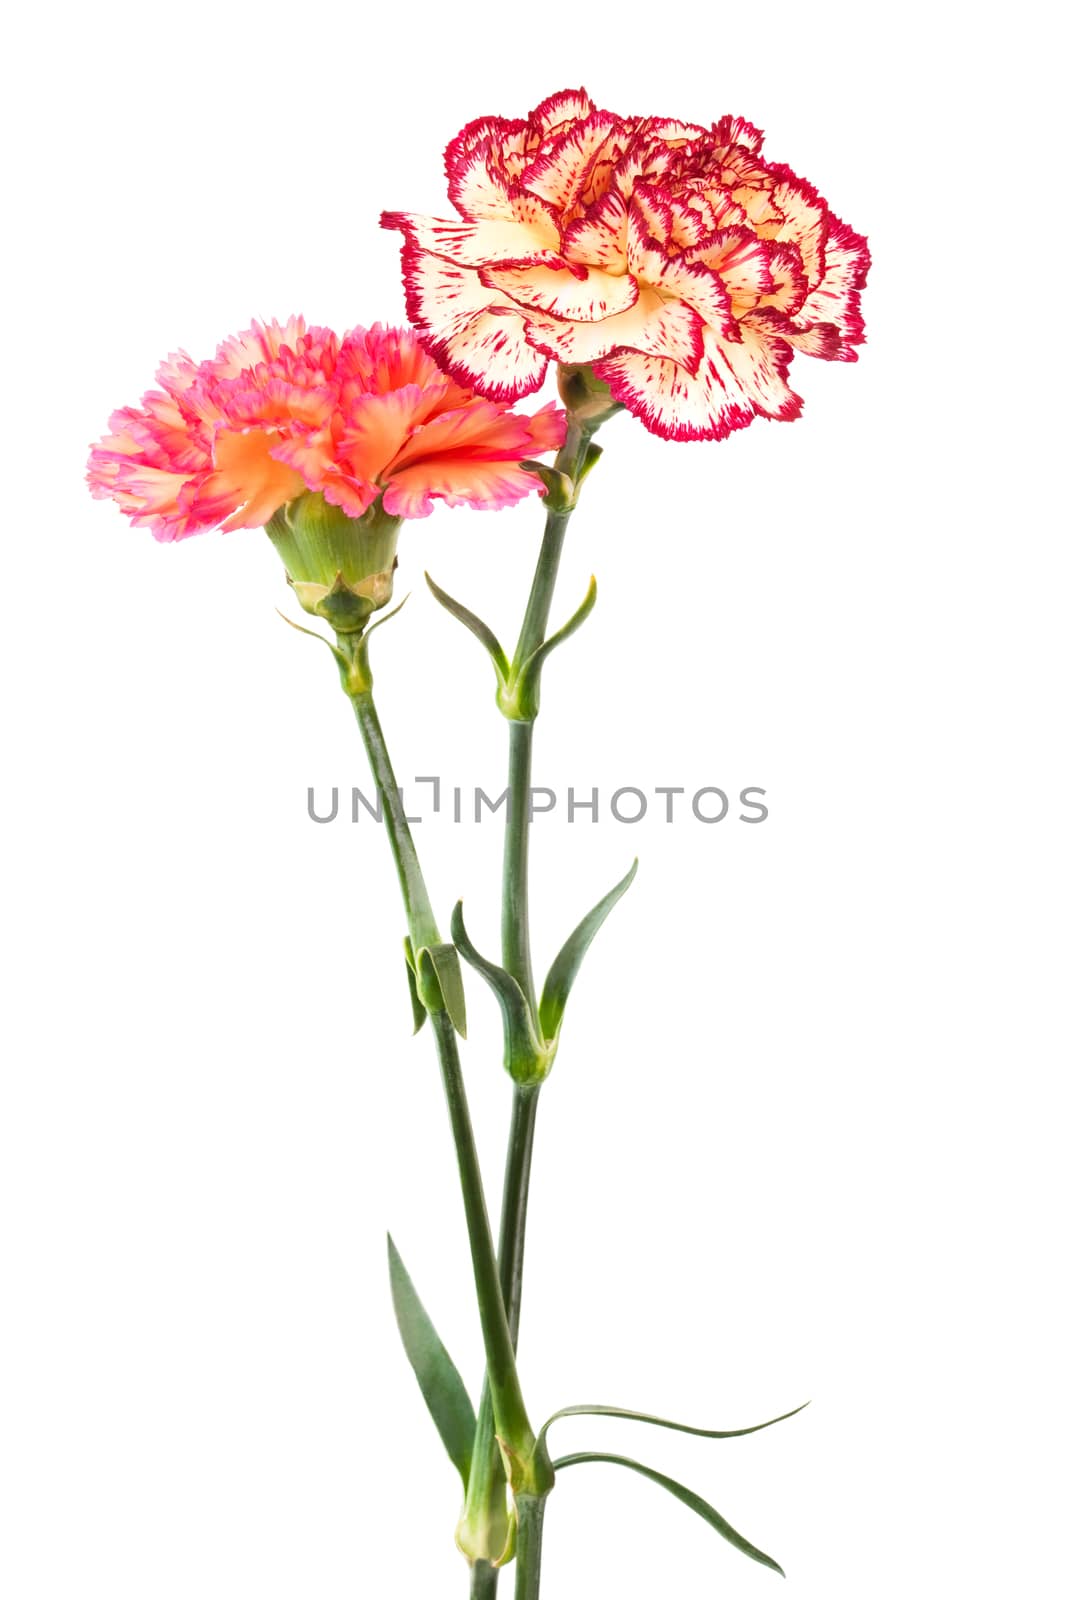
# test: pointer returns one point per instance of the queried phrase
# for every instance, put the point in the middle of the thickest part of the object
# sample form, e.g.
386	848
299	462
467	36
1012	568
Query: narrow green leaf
593	453
662	1422
388	617
299	628
440	983
559	487
442	1387
527	688
564	969
481	630
418	1010
686	1496
524	1055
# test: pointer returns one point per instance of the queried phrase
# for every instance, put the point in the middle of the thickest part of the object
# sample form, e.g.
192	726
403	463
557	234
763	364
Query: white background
801	1140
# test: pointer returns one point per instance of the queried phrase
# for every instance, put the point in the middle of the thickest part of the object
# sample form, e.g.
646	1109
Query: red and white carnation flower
676	261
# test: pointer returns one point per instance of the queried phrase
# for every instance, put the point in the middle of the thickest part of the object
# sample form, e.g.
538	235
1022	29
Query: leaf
440	983
662	1422
526	691
593	453
442	1387
564	969
418	1010
559	488
525	1057
481	630
686	1496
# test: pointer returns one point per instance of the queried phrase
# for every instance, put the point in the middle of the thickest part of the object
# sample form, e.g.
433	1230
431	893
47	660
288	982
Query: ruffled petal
585	294
376	428
789	286
559	111
742	262
836	299
482	162
475	333
561	172
734	384
730	131
486	485
659	327
806	221
489	352
482	430
264	341
248	484
682	278
441	296
598	238
507	241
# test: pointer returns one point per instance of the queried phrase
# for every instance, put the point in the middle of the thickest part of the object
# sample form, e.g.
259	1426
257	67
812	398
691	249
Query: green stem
531	1511
512	1241
512	1422
535	622
515	913
421	924
486	1486
483	1580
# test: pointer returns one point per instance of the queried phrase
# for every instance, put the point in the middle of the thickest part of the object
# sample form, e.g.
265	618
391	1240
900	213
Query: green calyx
587	398
340	568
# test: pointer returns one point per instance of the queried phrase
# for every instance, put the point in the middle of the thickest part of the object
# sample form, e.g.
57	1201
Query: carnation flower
675	261
367	420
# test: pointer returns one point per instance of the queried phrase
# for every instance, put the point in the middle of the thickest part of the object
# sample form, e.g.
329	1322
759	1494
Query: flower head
366	420
676	261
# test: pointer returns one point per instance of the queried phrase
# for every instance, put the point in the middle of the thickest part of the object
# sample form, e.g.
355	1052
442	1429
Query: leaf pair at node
518	683
450	1407
530	1041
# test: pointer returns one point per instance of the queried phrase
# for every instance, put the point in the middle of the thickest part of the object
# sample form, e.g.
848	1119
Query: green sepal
663	1422
481	630
346	609
439	980
435	1372
525	1056
686	1496
564	969
418	1010
521	698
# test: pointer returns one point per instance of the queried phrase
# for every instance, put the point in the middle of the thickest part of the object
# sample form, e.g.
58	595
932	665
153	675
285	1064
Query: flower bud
340	568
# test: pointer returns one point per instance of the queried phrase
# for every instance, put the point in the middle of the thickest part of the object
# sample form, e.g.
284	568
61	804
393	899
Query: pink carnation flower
286	408
675	260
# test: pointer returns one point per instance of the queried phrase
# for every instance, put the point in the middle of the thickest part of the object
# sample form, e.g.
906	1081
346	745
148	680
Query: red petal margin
598	239
473	333
497	241
559	175
567	105
836	300
731	131
490	355
733	386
